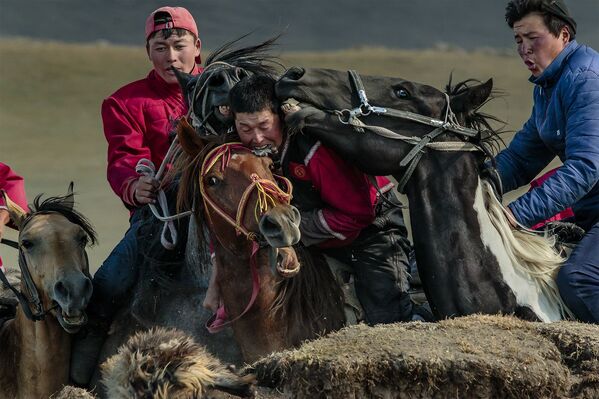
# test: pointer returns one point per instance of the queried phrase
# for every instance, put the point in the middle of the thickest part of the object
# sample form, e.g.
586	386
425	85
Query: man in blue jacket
564	123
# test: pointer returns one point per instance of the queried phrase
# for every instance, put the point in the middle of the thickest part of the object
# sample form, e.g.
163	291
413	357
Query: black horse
468	258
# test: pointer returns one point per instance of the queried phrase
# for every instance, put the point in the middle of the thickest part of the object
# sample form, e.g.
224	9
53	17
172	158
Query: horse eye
26	244
401	92
213	181
83	241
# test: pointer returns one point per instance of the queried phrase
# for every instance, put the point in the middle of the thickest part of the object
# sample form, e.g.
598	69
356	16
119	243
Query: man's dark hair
554	12
253	94
162	18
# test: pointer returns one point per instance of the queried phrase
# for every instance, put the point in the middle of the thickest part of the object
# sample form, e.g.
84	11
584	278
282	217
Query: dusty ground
50	97
476	356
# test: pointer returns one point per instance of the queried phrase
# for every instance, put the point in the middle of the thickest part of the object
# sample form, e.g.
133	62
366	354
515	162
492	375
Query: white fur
527	262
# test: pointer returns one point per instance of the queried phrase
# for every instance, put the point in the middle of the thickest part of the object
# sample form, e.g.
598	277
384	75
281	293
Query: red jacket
137	120
14	185
330	189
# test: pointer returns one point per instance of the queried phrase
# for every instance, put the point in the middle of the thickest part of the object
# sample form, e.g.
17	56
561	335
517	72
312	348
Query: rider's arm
580	171
524	158
14	186
126	147
347	194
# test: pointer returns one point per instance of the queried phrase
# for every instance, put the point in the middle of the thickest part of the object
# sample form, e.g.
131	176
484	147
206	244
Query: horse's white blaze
525	288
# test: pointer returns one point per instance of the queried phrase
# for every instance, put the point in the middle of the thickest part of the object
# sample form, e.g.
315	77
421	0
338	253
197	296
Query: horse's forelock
255	59
490	137
64	206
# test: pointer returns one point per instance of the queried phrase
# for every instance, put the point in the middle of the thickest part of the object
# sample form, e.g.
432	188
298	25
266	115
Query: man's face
176	51
258	129
536	45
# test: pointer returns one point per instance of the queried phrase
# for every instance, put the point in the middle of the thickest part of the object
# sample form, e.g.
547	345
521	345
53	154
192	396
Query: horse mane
311	298
490	139
255	59
531	252
64	206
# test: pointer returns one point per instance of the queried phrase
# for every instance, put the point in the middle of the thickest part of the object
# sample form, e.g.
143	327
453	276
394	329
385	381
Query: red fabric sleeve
565	214
125	146
14	185
347	194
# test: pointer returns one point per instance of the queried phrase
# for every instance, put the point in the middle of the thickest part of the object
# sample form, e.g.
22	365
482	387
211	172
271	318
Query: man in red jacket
137	120
342	211
14	186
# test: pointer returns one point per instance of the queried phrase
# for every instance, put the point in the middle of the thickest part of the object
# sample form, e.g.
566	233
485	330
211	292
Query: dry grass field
50	97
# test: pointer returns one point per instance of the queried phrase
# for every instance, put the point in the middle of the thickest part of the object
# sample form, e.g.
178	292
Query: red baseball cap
180	18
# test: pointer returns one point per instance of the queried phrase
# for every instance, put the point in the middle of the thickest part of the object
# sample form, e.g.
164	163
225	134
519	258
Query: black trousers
379	261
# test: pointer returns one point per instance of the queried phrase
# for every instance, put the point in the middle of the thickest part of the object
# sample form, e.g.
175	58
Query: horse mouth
71	324
282	265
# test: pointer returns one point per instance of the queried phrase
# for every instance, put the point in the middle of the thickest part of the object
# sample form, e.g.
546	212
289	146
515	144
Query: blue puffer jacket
564	122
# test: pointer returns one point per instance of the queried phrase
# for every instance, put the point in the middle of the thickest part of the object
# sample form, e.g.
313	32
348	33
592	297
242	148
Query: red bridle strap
210	326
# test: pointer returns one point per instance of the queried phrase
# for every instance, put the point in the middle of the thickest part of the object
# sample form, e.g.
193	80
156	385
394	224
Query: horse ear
16	213
190	140
69	199
183	79
472	98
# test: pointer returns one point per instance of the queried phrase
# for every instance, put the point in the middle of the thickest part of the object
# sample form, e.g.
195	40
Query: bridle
269	194
29	300
199	93
449	124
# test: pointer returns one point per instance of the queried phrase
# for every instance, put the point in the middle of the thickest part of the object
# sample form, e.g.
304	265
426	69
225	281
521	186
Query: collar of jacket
553	72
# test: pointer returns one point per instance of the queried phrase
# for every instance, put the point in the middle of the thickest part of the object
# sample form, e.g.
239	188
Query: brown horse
35	346
250	217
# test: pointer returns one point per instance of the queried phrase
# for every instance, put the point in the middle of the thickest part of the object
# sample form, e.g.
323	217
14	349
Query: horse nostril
60	289
268	225
294	73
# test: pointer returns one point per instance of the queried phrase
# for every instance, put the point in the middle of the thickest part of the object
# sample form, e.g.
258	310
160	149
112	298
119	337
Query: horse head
252	227
55	275
339	107
207	94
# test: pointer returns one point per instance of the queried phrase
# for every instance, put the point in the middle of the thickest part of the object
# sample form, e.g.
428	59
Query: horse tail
531	252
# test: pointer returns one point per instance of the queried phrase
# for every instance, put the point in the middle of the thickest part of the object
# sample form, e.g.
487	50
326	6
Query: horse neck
466	258
258	332
459	273
42	367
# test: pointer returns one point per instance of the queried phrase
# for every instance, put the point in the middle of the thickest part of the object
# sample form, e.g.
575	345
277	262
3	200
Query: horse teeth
224	110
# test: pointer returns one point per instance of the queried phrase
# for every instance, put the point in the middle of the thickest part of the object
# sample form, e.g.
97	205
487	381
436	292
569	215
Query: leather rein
269	194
